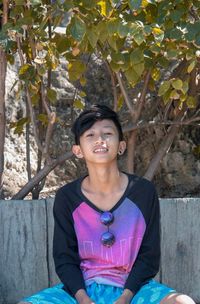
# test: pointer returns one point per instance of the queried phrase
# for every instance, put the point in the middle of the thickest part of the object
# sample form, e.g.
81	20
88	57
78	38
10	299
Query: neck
103	179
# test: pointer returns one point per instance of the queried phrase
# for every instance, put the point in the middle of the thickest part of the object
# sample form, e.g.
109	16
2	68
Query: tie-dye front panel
103	264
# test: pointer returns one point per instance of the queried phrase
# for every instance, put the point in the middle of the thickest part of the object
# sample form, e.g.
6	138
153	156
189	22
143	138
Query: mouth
100	150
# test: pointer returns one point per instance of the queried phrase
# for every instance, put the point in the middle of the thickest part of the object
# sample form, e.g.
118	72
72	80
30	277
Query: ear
122	147
76	149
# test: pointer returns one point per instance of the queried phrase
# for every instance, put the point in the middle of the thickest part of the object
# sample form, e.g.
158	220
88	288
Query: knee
183	299
177	299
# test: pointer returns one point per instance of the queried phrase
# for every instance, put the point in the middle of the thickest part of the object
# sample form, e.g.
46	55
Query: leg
177	298
52	295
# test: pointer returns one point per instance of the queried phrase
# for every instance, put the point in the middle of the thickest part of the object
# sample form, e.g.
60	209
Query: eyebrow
105	127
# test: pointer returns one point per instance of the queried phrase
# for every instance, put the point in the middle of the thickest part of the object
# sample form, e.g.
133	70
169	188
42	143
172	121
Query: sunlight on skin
177	299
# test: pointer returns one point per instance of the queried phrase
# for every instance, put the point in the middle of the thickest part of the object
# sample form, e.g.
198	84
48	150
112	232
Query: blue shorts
152	292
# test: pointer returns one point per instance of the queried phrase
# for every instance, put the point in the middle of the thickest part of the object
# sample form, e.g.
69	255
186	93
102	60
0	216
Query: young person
106	243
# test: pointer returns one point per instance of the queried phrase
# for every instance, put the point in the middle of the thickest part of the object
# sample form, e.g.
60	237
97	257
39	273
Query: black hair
89	116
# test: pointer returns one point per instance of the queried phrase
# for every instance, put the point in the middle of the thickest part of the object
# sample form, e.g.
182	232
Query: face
100	143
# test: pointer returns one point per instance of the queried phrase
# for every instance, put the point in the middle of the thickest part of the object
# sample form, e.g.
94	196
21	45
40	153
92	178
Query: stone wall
178	174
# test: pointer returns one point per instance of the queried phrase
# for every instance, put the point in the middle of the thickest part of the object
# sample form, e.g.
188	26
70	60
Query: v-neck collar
92	205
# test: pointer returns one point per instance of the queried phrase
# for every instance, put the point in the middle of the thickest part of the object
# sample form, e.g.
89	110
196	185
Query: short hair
89	116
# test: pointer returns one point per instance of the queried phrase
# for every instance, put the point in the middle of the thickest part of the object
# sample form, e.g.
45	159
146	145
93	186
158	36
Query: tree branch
3	68
41	174
153	123
114	89
124	93
32	114
165	145
141	101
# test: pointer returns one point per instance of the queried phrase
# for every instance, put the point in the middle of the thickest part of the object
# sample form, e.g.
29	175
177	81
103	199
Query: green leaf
177	83
137	56
197	41
120	102
174	94
117	58
139	68
102	30
132	76
176	15
76	69
62	43
123	30
134	4
166	97
196	151
41	70
33	89
35	2
105	8
115	67
77	28
43	118
176	34
113	26
19	2
137	33
92	36
155	74
158	34
26	72
112	42
185	87
191	102
172	54
79	104
83	81
67	5
52	95
87	3
191	66
164	87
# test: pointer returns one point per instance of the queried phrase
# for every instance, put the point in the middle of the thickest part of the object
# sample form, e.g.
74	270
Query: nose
101	138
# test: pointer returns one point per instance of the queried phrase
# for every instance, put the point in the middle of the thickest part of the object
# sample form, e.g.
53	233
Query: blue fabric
152	293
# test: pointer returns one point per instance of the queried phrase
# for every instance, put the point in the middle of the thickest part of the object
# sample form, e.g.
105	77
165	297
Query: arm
65	246
82	297
147	263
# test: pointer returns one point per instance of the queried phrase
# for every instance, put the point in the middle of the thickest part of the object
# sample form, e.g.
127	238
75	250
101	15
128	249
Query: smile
97	150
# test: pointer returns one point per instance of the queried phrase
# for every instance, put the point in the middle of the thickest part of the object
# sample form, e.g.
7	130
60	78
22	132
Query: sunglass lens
107	218
108	239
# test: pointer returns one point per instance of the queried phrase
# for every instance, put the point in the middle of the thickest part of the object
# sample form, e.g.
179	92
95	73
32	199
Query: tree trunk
164	147
131	148
3	65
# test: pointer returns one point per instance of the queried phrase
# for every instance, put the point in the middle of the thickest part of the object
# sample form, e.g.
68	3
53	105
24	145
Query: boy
106	238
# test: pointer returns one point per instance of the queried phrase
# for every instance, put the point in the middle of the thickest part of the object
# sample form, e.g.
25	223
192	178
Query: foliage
135	38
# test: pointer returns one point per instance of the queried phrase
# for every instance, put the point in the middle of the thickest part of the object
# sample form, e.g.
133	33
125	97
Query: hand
82	297
122	300
125	298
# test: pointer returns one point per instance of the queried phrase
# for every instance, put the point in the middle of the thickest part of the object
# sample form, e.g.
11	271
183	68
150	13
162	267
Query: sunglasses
107	238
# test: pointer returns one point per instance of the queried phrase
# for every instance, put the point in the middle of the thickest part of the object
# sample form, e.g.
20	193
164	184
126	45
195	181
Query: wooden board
26	234
180	263
23	263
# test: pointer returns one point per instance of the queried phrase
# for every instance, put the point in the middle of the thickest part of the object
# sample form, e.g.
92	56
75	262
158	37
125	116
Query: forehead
104	123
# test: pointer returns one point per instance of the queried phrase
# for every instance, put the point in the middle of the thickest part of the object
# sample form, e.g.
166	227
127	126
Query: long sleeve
65	247
147	262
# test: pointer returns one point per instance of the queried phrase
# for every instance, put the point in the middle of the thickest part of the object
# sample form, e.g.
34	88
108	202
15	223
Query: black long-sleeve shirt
80	258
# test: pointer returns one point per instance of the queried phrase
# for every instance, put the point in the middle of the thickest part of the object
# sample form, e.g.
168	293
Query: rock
178	174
